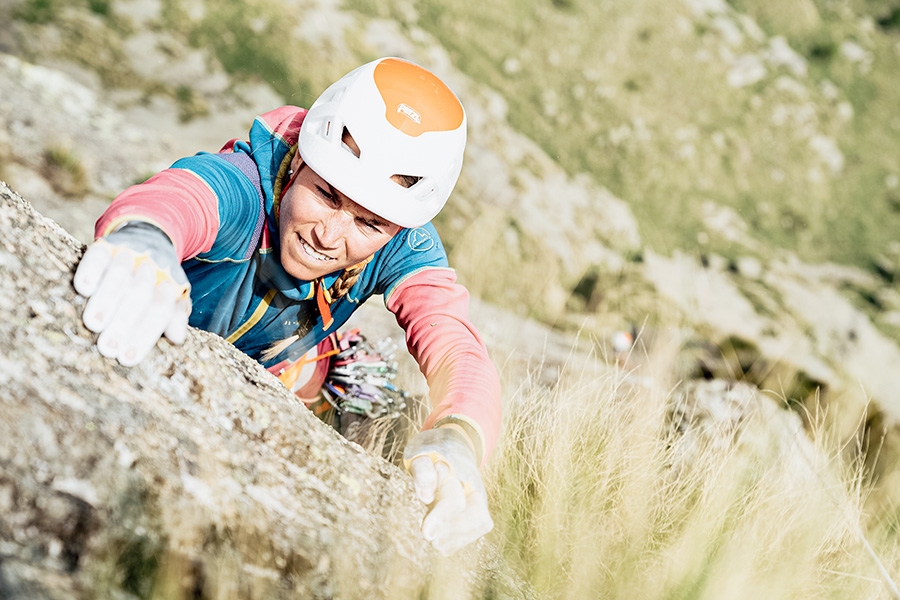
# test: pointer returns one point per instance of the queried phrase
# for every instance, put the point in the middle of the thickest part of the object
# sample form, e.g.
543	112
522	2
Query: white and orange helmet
405	121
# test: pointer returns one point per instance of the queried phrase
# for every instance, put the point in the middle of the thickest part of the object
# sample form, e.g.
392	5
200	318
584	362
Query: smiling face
322	230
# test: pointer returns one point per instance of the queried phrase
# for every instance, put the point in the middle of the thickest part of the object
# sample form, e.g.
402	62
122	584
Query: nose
332	229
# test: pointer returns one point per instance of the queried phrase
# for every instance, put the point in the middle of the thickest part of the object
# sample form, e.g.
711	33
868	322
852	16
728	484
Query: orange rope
323	301
290	373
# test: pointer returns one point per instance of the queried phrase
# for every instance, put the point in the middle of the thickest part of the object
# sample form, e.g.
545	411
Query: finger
101	308
443	471
478	517
425	478
474	522
91	268
451	502
150	326
176	330
133	305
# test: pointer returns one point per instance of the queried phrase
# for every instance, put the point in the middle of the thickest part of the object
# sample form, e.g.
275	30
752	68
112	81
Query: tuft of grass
65	171
100	7
190	104
37	12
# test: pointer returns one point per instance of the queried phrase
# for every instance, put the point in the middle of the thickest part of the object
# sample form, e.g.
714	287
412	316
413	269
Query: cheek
292	209
369	245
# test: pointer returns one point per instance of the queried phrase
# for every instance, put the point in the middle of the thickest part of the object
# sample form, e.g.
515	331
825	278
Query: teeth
313	252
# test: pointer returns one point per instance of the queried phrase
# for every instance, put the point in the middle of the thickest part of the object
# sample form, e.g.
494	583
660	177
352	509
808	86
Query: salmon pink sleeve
175	200
464	387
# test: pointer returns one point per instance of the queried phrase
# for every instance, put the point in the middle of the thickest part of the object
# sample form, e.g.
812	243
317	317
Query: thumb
92	267
425	478
176	329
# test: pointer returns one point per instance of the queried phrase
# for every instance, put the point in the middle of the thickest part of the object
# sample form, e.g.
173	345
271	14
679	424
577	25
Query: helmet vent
406	181
349	143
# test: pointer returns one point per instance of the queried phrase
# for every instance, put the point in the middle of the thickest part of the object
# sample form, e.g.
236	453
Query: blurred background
718	179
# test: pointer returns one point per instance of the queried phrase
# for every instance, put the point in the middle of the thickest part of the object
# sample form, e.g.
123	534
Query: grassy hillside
640	95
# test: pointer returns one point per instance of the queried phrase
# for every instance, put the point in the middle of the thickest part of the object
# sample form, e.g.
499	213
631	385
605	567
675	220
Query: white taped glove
137	292
447	479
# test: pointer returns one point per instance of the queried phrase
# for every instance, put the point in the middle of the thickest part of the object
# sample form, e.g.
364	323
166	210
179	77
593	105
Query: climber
273	242
622	342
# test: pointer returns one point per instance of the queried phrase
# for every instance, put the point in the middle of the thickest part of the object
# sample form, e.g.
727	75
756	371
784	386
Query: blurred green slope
637	95
640	95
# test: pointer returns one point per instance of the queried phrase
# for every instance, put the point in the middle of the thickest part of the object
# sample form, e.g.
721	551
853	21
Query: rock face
195	474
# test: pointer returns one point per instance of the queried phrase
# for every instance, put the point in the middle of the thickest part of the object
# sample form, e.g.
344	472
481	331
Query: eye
369	226
327	195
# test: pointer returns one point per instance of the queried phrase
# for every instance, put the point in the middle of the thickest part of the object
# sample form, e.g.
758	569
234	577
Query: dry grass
596	494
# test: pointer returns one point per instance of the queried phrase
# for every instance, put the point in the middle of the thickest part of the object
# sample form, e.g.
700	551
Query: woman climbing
273	242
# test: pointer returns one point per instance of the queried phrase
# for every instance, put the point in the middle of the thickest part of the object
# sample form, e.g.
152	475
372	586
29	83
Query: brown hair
347	279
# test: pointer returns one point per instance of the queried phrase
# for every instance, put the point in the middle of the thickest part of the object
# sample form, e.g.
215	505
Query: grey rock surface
193	473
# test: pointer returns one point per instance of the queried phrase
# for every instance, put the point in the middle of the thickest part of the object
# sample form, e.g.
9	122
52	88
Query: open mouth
313	253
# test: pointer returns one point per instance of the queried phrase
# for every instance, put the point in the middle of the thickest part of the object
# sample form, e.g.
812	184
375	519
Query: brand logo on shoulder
419	240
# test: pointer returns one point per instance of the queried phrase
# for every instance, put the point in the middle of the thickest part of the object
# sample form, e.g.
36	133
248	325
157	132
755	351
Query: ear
296	161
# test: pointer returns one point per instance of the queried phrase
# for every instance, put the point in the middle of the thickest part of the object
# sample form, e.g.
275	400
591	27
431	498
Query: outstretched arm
462	429
132	273
464	387
177	201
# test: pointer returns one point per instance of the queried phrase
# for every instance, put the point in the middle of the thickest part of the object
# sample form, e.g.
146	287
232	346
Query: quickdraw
361	377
